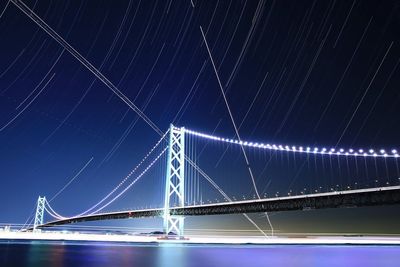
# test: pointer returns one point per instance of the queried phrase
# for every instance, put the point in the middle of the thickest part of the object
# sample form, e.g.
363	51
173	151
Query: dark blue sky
299	72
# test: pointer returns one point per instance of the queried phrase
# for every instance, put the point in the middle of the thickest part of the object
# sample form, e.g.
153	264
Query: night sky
317	73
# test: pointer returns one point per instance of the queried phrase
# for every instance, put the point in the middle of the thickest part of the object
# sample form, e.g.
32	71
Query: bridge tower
175	180
39	212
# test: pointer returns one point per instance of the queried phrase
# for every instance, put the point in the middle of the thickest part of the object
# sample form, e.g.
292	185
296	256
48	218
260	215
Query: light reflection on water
62	254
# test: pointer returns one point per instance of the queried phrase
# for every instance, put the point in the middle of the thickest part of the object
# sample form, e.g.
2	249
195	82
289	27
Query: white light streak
133	182
58	216
126	178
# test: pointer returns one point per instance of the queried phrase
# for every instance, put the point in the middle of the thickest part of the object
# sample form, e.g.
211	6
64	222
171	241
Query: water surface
151	255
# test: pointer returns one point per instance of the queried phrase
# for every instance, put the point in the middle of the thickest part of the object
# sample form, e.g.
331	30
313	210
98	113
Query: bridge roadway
338	199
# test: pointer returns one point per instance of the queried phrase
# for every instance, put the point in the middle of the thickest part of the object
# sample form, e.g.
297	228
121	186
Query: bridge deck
351	198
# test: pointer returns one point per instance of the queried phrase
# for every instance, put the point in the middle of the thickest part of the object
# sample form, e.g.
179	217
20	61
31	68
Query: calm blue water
99	254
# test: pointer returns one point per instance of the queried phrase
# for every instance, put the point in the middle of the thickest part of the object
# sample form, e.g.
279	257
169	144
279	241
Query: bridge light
315	150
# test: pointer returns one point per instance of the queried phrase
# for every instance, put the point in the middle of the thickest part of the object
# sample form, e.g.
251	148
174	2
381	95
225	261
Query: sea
61	254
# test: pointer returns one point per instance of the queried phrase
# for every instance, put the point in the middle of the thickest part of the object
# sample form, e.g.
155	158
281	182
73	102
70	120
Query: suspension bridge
175	209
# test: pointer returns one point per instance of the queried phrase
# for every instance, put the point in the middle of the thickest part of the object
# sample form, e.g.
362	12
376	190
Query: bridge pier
175	181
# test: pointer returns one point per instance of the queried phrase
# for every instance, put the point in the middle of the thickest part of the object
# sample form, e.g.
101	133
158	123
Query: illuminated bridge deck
339	199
